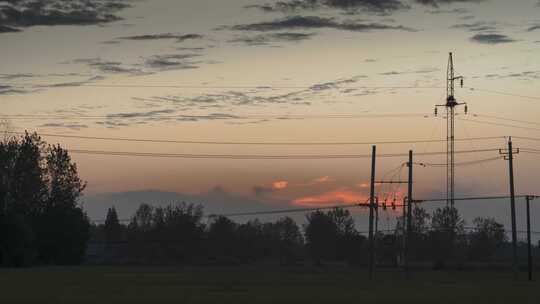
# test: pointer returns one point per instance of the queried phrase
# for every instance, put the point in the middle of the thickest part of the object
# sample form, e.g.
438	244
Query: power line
499	124
214	142
507	119
474	198
504	93
261	87
262	157
468	163
137	115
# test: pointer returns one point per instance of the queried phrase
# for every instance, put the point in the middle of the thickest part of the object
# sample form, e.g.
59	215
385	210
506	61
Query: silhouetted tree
290	240
330	235
62	228
419	245
488	235
222	234
170	234
321	236
112	227
39	188
446	235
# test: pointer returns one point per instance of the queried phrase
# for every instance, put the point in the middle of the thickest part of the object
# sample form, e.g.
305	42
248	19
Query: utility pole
450	105
409	214
529	247
371	209
509	155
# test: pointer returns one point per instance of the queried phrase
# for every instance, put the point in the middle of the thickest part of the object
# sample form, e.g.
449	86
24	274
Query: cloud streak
437	3
315	22
16	14
492	39
351	6
267	39
163	36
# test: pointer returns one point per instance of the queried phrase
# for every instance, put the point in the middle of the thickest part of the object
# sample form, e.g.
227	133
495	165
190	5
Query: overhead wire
262	143
136	115
261	156
504	93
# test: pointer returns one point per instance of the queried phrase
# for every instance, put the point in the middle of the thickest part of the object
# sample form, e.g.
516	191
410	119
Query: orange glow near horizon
340	196
279	185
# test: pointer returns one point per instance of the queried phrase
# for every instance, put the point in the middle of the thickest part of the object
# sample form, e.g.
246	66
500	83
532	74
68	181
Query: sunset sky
272	71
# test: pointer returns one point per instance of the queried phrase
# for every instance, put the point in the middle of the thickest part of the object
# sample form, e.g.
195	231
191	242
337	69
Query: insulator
436	111
466	109
461	82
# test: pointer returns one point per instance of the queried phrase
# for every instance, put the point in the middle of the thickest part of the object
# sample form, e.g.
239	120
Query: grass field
88	284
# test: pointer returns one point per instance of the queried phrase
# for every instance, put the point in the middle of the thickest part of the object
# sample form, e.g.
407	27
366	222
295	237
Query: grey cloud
72	126
151	114
177	37
524	75
15	14
16	76
112	67
491	39
457	11
262	96
149	65
172	62
476	26
10	90
372	6
534	28
315	22
426	70
8	29
266	39
436	3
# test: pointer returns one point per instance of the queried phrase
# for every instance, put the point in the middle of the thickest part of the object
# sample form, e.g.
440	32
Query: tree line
181	234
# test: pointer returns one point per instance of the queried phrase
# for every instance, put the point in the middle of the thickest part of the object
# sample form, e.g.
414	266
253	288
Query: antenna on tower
450	105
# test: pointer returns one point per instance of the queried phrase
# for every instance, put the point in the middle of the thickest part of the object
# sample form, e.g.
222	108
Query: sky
292	71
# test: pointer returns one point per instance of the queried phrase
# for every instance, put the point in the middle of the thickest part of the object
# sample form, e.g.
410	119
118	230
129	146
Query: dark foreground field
257	285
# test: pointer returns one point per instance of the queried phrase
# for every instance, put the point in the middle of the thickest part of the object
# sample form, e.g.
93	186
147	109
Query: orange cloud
366	185
323	179
279	185
336	197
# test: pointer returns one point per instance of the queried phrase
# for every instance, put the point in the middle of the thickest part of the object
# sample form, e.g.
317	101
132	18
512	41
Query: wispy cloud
315	22
491	39
15	14
480	26
267	39
383	7
437	3
163	36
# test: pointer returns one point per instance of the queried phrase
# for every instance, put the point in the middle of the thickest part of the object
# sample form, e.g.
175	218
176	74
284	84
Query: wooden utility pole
529	246
371	209
409	214
509	155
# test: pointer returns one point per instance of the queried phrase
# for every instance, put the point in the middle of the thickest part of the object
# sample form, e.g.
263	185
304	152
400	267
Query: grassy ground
257	285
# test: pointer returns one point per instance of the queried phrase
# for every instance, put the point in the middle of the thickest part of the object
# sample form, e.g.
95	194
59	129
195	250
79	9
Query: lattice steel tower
450	105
